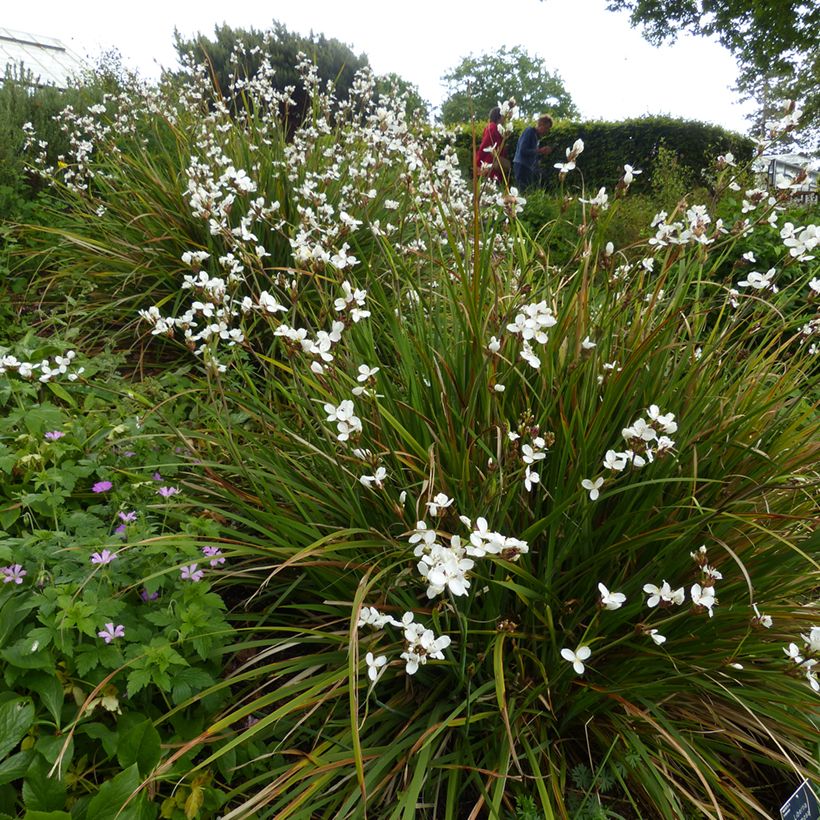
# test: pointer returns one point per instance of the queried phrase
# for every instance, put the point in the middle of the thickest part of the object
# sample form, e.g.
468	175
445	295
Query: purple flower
157	477
102	487
128	517
104	557
212	553
167	492
129	453
53	435
191	573
120	530
148	596
13	574
111	632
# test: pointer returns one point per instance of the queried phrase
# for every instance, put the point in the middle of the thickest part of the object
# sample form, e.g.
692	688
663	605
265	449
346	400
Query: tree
335	62
392	84
480	82
774	41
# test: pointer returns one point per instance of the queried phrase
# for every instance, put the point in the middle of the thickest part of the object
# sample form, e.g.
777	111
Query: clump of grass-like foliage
593	486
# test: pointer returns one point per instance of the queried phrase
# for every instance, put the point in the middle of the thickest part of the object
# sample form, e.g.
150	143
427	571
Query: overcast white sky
607	67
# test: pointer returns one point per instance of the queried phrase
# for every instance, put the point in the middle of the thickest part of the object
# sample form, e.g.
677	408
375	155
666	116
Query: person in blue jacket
528	153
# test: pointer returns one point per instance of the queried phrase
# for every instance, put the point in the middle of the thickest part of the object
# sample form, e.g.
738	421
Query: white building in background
49	61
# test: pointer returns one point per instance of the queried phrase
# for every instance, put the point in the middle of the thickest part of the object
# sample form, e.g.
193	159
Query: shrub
524	530
640	142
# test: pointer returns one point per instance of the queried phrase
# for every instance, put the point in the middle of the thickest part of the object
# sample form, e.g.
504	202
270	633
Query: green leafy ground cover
458	511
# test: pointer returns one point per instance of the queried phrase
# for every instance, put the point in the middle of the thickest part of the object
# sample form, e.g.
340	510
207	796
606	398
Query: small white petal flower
593	487
577	657
374	665
793	653
657	637
611	600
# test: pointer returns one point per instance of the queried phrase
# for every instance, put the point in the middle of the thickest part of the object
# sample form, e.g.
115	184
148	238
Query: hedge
608	145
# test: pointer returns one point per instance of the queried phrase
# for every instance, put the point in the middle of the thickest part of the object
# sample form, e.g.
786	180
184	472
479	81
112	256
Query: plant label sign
802	805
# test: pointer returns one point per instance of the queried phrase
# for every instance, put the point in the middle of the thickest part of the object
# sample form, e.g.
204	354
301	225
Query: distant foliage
335	62
480	82
640	142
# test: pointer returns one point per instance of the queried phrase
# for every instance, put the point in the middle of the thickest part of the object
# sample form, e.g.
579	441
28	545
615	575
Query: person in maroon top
491	157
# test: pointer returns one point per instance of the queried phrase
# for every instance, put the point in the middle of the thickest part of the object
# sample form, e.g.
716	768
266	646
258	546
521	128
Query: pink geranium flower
111	632
167	492
53	435
191	573
104	557
13	574
102	487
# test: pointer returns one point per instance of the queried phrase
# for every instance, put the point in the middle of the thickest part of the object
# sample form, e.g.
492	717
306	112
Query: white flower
703	596
530	456
763	620
656	636
614	460
793	653
494	345
663	593
593	487
439	502
577	657
269	303
588	344
377	479
609	249
812	639
601	200
759	281
370	616
366	373
530	479
499	388
374	665
814	284
629	174
611	600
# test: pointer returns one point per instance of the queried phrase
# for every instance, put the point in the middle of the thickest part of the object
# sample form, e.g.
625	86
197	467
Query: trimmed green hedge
608	145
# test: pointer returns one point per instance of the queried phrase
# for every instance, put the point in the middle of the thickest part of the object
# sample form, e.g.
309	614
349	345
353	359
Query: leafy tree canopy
776	43
230	47
478	83
392	84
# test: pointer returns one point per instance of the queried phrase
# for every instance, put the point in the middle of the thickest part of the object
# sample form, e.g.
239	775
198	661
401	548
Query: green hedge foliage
607	145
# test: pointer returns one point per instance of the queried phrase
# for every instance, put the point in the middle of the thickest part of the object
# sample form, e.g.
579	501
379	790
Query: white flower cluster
694	230
572	154
807	659
420	643
347	422
532	323
759	281
445	567
646	440
531	453
800	241
43	371
600	201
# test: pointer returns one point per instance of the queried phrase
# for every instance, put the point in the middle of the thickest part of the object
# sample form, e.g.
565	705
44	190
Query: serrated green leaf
14	767
138	680
41	792
50	691
140	745
16	718
108	803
